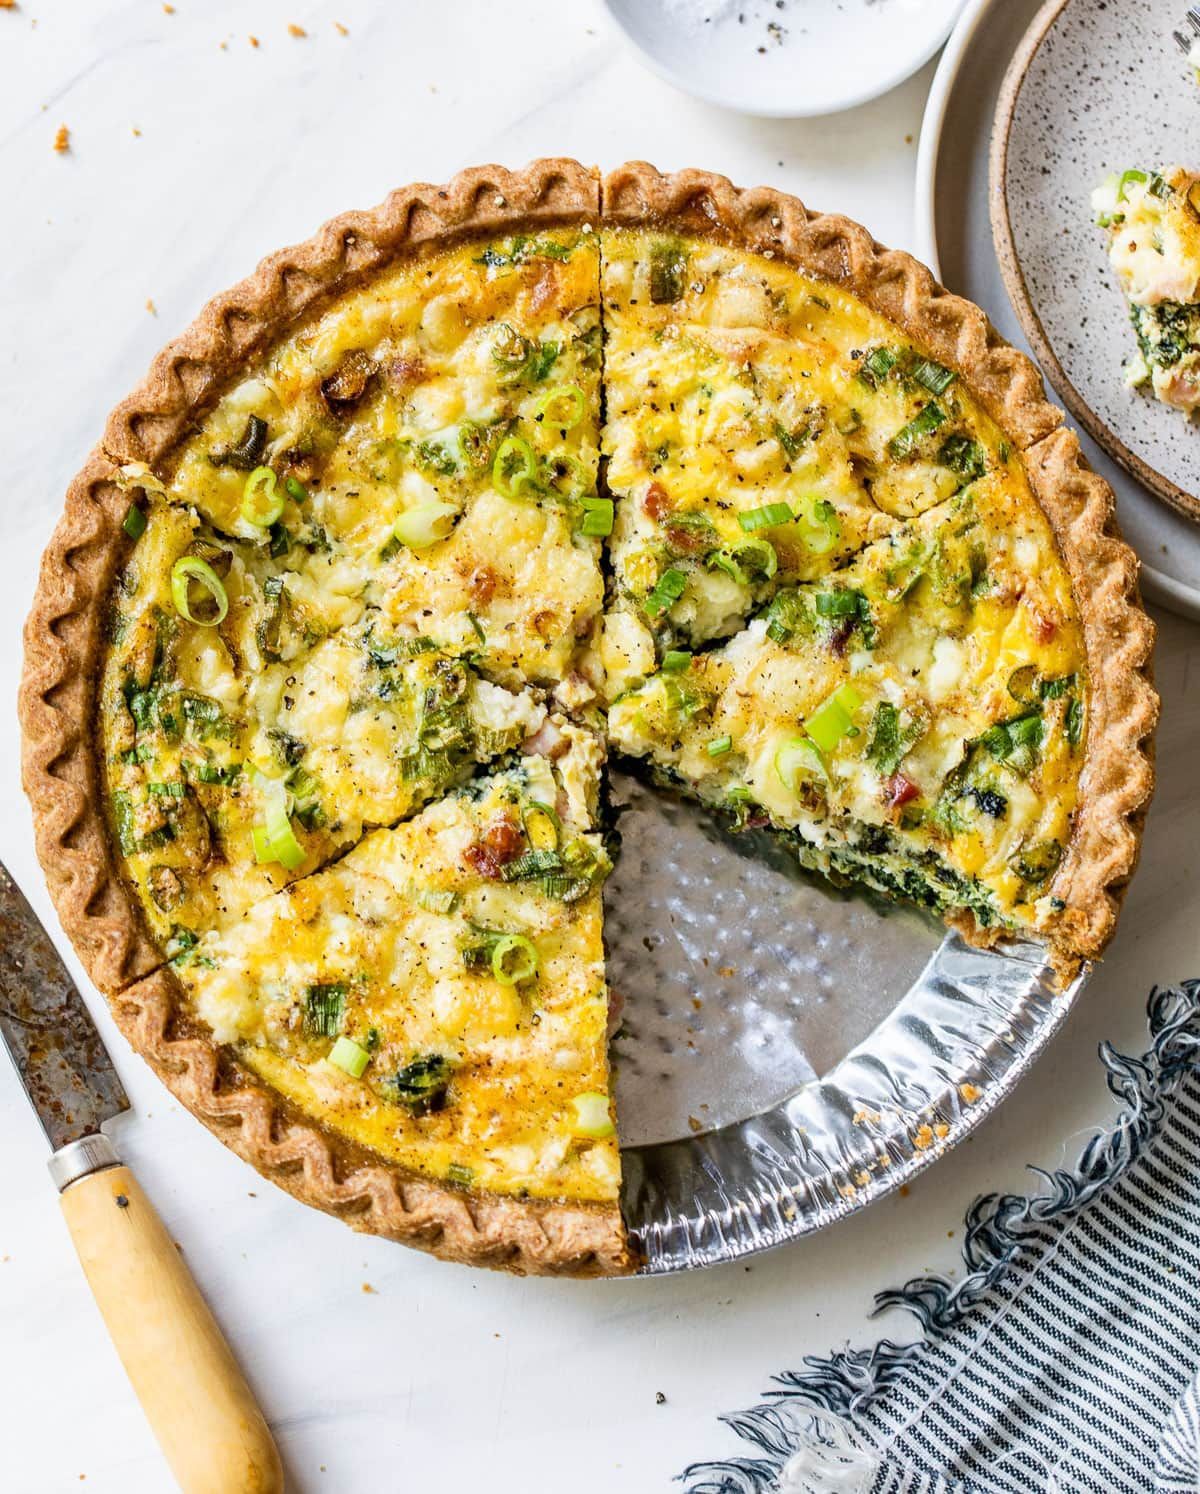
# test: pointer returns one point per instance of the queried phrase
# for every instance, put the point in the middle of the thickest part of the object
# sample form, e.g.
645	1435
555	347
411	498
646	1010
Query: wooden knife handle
194	1395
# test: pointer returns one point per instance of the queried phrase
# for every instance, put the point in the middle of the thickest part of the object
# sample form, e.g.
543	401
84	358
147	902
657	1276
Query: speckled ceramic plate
953	236
1095	87
793	1053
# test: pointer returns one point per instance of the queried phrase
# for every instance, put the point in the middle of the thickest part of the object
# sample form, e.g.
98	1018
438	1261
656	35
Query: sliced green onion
350	1057
820	529
514	959
1022	684
436	899
719	746
765	517
514	467
676	660
572	395
134	522
750	561
933	376
1126	177
457	1173
262	503
285	848
833	718
879	363
296	490
543	828
592	1115
795	760
424	524
262	844
174	790
189	568
667	590
923	423
565	476
597	517
837	603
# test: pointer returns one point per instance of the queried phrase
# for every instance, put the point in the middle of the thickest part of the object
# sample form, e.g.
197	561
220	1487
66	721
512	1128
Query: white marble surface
440	1377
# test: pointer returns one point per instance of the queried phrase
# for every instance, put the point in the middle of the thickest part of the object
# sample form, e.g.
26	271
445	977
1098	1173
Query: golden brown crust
64	636
60	764
523	1236
1118	777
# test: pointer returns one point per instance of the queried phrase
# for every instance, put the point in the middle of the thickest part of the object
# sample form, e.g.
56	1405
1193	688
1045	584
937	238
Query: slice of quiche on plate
1153	223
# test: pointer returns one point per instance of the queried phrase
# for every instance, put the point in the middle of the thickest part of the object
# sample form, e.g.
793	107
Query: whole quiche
414	530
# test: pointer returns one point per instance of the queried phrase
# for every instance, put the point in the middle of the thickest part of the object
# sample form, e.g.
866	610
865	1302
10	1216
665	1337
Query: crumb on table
62	140
294	30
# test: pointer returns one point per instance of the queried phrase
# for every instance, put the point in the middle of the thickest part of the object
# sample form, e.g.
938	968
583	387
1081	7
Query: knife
199	1406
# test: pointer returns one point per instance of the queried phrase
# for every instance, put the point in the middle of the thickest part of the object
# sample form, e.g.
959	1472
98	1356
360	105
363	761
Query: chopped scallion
514	958
262	502
676	661
551	406
591	1115
514	467
765	517
424	524
669	587
134	522
719	746
597	519
350	1057
189	568
923	424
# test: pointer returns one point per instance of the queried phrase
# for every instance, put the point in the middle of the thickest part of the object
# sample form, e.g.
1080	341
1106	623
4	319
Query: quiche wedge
1153	223
437	513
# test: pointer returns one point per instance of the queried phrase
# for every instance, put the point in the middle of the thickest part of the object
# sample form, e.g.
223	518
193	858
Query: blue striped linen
1063	1363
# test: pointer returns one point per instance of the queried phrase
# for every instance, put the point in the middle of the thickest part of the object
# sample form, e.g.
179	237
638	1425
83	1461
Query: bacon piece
547	741
545	287
501	843
657	502
899	790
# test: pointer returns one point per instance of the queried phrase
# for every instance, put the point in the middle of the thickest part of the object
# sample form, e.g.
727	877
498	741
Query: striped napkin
1066	1360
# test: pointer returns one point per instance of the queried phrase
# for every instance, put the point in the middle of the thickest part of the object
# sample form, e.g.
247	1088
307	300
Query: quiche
437	515
1153	224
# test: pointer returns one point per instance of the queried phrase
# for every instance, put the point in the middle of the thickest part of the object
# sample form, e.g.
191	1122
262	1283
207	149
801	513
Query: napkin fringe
809	1430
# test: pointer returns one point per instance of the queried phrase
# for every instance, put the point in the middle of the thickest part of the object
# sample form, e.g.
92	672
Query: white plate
953	236
785	57
1092	91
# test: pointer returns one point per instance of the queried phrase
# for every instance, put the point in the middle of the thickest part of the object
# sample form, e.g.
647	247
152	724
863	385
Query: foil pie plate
789	1053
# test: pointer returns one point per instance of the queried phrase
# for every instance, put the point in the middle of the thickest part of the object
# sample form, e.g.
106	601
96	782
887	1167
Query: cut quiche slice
1153	224
915	721
428	444
761	427
438	995
242	751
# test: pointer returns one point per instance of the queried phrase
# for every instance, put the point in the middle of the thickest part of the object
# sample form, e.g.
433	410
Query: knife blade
199	1406
58	1052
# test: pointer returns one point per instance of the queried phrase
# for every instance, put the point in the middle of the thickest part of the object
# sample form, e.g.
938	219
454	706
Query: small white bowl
788	58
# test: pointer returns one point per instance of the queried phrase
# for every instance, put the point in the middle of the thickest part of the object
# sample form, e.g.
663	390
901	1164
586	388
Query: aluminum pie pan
790	1053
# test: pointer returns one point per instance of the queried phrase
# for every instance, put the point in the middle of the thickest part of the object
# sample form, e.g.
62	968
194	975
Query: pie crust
64	634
